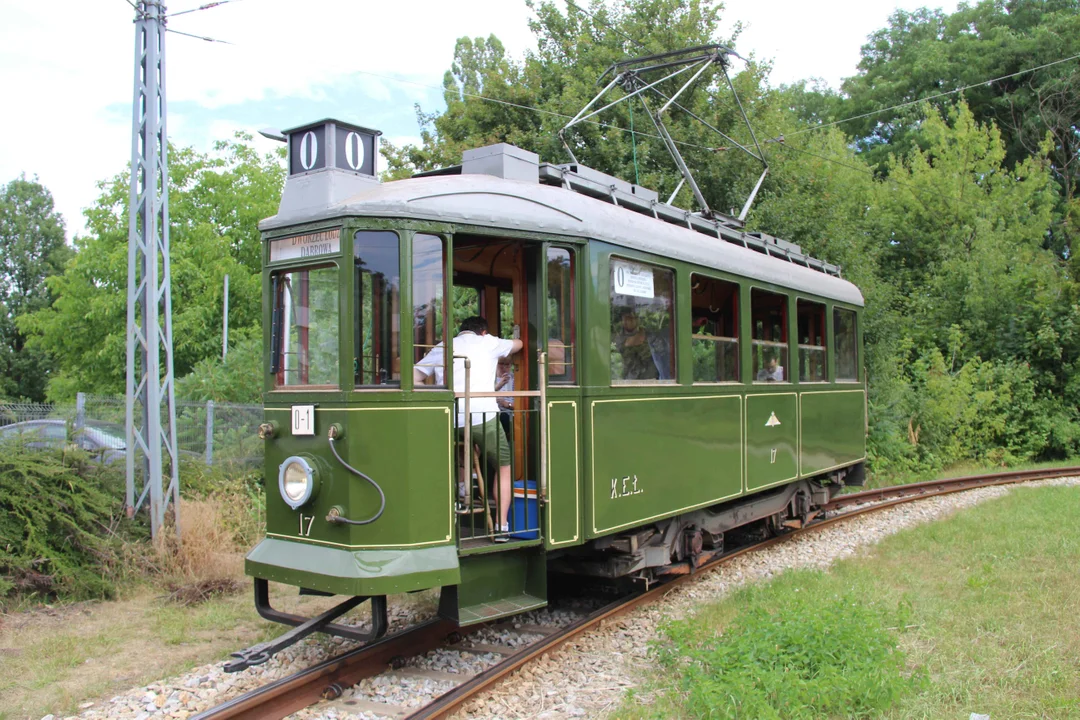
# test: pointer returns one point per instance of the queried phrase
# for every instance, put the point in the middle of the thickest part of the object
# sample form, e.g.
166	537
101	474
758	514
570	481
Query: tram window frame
854	344
703	318
619	309
281	327
566	309
435	313
758	339
385	311
807	345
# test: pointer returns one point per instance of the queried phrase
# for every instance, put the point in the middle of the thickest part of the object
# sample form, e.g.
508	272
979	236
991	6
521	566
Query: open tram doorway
495	278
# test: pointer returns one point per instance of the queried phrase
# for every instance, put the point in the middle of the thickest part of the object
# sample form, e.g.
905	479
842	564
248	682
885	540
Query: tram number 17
305	524
624	487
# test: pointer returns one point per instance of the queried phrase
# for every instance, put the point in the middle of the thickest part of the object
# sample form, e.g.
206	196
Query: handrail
541	370
467	430
500	393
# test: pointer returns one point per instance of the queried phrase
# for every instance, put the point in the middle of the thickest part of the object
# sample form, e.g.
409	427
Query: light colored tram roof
487	201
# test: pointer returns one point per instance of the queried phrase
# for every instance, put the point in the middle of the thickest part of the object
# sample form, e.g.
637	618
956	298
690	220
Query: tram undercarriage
682	543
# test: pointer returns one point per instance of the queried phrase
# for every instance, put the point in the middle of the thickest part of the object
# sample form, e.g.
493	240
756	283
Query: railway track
328	680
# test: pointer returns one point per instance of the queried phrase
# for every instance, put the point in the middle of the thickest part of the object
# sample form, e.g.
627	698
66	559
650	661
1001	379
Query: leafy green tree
32	249
216	201
237	379
928	52
529	102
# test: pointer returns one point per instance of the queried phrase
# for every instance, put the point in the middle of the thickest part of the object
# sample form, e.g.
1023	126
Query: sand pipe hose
335	516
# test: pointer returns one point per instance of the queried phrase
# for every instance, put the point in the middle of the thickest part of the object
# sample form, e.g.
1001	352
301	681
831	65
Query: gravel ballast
586	677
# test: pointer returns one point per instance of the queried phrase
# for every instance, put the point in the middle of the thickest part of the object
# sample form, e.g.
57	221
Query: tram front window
377	352
306	316
429	305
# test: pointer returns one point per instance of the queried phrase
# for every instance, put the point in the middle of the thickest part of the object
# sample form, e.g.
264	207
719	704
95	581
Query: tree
32	249
927	52
529	102
216	201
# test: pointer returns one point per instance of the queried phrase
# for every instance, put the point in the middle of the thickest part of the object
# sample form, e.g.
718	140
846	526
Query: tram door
496	279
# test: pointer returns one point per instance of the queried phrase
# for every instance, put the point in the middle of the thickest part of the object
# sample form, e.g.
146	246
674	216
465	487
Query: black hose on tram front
340	519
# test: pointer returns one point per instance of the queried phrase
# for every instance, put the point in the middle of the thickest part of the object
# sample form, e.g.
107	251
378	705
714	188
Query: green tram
679	378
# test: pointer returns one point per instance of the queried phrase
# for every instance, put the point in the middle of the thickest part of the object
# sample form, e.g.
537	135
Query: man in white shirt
483	351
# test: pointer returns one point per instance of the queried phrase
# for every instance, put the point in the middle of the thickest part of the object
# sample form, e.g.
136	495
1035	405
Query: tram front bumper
346	571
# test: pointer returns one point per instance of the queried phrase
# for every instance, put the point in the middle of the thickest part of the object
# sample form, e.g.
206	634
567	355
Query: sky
67	69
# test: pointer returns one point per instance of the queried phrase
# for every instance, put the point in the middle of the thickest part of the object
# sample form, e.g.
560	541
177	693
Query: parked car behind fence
216	432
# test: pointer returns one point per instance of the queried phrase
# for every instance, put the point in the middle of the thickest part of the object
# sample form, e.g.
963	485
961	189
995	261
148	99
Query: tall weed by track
806	658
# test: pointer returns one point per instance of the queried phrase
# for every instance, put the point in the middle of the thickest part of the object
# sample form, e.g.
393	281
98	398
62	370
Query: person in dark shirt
633	344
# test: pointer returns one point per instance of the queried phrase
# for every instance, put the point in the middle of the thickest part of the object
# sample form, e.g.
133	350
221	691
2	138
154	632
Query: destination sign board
632	279
300	247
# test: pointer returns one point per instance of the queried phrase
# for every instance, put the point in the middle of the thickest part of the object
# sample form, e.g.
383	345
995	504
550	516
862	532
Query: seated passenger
772	372
632	343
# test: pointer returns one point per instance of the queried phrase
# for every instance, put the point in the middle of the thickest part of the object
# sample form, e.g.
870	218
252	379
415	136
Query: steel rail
453	700
947	485
293	693
309	686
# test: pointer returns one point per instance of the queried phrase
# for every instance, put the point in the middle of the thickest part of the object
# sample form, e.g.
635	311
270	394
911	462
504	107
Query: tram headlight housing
297	479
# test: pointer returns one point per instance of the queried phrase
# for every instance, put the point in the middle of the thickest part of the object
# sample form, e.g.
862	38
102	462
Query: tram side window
811	316
715	321
844	341
305	335
642	332
429	309
377	351
769	325
560	316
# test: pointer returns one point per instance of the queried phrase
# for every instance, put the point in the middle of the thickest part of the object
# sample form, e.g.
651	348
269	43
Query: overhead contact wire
929	97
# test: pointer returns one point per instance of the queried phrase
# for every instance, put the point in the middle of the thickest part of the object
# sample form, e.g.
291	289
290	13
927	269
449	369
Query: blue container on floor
524	512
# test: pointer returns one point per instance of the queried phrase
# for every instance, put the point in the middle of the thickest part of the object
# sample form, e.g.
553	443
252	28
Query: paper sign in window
632	279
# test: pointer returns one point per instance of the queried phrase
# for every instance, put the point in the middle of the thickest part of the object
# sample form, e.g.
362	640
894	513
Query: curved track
326	680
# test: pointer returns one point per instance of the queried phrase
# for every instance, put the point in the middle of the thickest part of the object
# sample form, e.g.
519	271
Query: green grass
982	610
960	470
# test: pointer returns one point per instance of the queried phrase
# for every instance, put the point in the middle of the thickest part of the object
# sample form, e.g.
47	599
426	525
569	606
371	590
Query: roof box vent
503	161
329	161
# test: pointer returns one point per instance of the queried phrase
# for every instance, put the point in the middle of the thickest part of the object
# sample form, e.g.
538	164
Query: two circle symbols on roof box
309	150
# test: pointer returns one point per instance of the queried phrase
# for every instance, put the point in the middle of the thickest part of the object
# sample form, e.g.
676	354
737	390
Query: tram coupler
258	654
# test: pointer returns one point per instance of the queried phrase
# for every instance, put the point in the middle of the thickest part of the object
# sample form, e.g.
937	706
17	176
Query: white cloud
67	73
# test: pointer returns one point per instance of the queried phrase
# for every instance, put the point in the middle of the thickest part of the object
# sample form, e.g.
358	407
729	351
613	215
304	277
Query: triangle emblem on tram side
773	421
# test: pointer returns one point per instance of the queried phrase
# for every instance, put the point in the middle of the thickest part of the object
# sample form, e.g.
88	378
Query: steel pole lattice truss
151	405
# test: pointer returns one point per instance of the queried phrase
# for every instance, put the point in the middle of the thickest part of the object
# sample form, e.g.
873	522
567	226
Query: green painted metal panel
657	457
353	572
563	511
833	429
404	449
772	434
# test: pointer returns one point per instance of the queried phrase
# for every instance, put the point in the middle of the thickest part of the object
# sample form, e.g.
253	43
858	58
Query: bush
804	659
236	491
59	511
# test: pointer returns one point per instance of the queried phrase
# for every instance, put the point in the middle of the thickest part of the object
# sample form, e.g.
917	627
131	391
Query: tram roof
514	205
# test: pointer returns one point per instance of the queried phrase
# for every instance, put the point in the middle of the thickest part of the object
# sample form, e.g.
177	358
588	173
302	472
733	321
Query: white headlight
296	480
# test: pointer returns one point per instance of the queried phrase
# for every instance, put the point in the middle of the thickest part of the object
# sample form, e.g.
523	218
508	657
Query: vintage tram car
680	378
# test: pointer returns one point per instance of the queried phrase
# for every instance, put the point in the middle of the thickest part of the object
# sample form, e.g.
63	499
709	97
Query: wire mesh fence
215	433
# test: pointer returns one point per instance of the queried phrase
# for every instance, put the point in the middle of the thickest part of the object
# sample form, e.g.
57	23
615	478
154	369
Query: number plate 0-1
303	419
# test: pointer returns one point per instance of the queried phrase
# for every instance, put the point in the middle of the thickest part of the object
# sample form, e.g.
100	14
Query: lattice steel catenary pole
151	424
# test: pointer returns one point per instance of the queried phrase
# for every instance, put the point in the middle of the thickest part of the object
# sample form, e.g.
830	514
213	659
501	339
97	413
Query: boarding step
482	612
495	586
